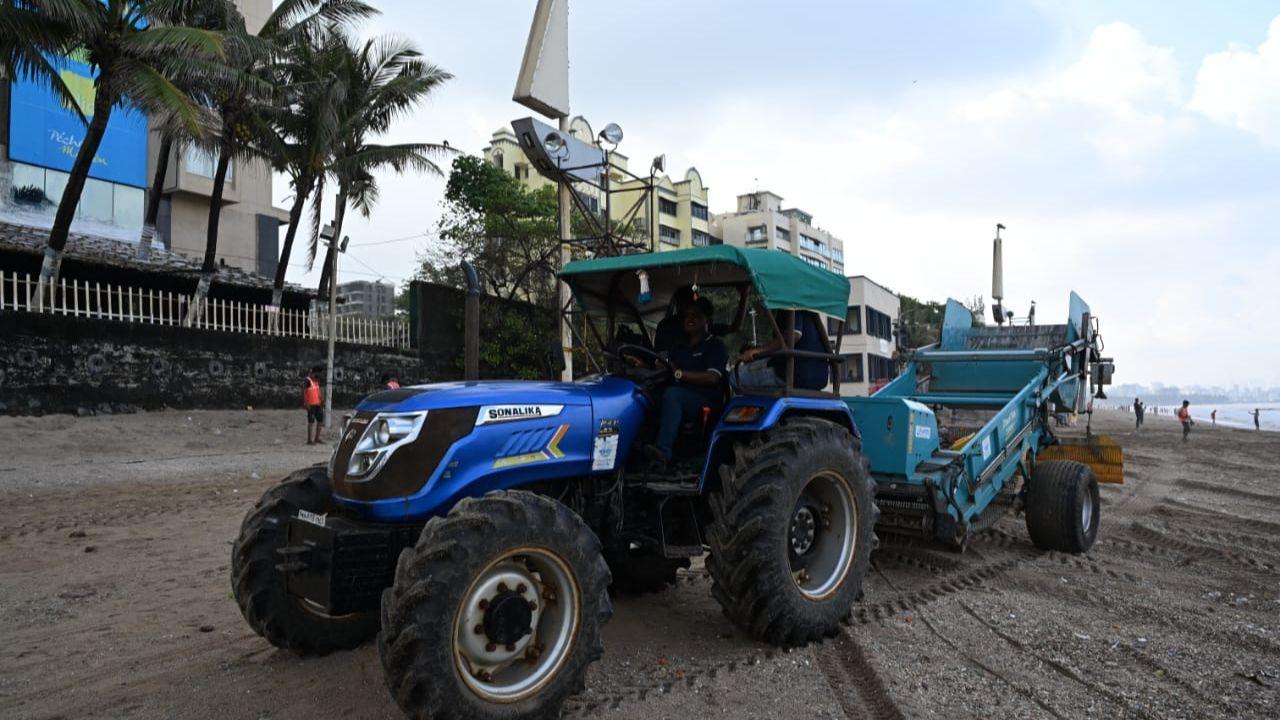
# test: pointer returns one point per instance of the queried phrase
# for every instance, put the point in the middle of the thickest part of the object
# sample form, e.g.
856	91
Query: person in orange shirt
313	401
1184	416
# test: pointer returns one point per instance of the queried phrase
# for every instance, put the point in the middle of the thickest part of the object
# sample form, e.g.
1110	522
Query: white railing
79	298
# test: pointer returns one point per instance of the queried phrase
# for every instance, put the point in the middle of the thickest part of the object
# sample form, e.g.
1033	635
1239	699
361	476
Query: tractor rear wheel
1062	506
792	532
284	620
495	612
640	571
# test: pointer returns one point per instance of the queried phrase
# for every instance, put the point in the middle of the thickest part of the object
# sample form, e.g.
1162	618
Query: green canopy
782	281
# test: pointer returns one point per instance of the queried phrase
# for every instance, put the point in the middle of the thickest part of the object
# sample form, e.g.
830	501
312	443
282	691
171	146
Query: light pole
327	234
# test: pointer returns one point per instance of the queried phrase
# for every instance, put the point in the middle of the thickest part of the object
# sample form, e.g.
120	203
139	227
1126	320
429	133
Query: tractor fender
772	410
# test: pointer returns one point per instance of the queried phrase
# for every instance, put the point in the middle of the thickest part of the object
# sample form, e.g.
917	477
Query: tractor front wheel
1062	506
792	532
495	612
284	620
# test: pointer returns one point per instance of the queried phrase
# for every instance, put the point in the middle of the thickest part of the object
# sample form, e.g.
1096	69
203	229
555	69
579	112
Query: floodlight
555	144
343	246
557	155
659	164
611	134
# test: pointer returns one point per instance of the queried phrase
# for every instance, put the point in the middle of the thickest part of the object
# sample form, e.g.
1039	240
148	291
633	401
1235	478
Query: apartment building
868	344
680	206
761	222
38	143
364	298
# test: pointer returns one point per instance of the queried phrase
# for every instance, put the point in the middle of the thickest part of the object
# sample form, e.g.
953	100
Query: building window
698	211
853	320
783	235
814	246
851	371
202	163
497	160
669	235
667	207
838	255
879	325
879	368
701	239
521	171
757	234
814	262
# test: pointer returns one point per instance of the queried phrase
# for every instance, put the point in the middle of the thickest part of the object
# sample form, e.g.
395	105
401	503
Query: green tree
382	80
920	321
137	47
509	233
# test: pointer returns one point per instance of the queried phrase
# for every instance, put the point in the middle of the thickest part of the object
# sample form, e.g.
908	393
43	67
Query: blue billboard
44	132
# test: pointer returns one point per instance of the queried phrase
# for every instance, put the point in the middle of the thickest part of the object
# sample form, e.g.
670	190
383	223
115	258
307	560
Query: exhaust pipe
471	325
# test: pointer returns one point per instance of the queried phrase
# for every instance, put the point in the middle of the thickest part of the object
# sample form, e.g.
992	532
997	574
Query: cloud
1240	88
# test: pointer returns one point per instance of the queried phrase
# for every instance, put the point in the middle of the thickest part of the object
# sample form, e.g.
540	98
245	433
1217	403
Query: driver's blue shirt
707	354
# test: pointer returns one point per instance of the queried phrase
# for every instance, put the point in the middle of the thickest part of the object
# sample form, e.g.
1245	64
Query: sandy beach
116	602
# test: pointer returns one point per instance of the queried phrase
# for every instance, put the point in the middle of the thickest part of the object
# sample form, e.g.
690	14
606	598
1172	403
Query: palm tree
25	34
137	47
306	129
384	79
247	106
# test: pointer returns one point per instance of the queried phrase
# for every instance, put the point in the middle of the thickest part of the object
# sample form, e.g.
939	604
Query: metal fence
104	301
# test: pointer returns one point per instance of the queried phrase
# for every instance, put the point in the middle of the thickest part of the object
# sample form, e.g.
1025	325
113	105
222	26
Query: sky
1132	149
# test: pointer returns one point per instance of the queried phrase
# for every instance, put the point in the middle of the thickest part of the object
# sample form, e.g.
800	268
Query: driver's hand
634	361
750	354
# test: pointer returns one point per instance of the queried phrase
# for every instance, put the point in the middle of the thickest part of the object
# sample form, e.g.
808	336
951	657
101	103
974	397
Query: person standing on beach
313	401
1184	416
1138	409
1214	416
1257	425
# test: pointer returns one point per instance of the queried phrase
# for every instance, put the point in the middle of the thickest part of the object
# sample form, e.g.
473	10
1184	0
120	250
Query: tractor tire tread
418	610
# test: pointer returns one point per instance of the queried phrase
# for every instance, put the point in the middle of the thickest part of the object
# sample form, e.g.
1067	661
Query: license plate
313	518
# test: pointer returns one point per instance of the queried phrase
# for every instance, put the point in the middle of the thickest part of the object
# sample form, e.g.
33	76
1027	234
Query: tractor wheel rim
820	560
1086	513
516	624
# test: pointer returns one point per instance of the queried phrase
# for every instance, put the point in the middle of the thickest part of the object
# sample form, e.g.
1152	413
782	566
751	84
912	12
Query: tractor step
672	488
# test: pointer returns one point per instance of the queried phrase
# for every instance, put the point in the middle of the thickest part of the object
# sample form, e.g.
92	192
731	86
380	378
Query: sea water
1238	415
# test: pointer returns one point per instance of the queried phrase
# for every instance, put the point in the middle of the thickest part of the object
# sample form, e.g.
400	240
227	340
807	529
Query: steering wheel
649	359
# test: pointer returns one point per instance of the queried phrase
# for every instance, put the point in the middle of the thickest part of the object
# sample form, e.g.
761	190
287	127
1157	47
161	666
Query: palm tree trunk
153	198
210	265
71	193
339	213
301	192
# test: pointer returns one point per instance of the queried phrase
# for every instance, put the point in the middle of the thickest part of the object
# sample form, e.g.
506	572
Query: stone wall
64	364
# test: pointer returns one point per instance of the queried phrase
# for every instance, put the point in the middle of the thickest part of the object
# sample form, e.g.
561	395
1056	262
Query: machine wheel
496	612
792	532
1062	506
284	620
639	571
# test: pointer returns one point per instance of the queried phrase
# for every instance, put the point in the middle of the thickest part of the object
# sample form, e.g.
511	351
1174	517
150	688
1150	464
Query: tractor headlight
384	434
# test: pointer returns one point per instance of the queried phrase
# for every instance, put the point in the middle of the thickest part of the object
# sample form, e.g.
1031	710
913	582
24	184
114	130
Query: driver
697	363
669	334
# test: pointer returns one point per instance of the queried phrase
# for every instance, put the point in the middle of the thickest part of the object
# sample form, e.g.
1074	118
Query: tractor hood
504	394
409	452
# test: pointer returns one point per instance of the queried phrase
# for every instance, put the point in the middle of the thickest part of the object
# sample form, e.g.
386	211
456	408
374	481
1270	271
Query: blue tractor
476	528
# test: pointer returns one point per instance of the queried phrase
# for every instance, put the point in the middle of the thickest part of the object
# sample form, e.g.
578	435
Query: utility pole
328	233
566	233
543	86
